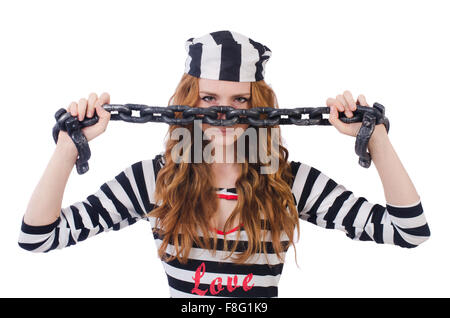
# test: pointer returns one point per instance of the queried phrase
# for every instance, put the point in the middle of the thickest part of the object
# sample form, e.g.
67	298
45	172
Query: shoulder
157	160
297	166
160	158
304	171
147	166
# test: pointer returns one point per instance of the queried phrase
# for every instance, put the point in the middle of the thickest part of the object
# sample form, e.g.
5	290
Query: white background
394	52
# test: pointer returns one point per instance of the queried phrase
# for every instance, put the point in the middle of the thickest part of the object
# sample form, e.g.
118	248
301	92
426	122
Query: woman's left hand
345	103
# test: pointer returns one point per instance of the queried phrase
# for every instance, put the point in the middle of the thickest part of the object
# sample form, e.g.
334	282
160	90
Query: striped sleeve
118	203
321	201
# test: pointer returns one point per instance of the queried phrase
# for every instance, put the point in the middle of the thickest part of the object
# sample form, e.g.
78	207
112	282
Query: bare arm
44	206
398	187
324	202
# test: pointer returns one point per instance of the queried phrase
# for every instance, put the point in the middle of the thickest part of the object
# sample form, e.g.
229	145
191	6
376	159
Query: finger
103	115
73	108
334	120
341	99
334	102
350	101
333	114
91	105
82	105
104	98
362	100
330	102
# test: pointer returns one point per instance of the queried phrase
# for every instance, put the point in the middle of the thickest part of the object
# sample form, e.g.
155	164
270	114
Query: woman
222	228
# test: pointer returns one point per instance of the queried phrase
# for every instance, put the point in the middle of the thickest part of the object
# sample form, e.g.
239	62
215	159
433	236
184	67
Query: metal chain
302	116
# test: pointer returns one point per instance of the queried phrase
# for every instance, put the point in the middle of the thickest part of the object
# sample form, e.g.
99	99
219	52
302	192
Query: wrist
67	148
379	137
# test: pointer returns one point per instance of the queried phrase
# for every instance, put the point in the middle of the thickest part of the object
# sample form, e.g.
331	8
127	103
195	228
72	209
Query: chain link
257	116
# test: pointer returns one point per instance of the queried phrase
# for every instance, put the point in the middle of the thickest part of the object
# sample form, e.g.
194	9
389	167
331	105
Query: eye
239	99
207	97
244	99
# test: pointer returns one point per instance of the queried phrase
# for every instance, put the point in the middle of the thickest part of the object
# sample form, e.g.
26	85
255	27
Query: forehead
224	87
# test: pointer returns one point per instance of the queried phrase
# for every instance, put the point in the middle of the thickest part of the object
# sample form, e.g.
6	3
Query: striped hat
227	56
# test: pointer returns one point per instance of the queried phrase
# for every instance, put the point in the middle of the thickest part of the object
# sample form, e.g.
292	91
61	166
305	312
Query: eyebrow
242	94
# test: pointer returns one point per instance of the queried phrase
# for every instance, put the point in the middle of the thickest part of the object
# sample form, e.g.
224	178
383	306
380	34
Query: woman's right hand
85	108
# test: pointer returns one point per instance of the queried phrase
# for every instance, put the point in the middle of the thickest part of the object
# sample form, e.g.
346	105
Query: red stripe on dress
230	231
227	196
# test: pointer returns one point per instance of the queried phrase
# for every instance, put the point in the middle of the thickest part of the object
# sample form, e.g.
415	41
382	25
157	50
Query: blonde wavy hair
188	197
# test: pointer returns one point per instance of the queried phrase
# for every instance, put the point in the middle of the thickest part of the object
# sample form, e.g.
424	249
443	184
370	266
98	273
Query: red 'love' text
216	285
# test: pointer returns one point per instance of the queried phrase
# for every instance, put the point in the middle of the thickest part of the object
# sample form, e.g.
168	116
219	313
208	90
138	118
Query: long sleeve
322	201
118	203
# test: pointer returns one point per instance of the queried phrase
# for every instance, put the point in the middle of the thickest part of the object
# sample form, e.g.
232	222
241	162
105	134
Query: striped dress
127	198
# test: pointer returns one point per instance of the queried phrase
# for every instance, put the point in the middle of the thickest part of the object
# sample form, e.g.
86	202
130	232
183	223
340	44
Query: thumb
334	119
101	112
104	99
333	114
